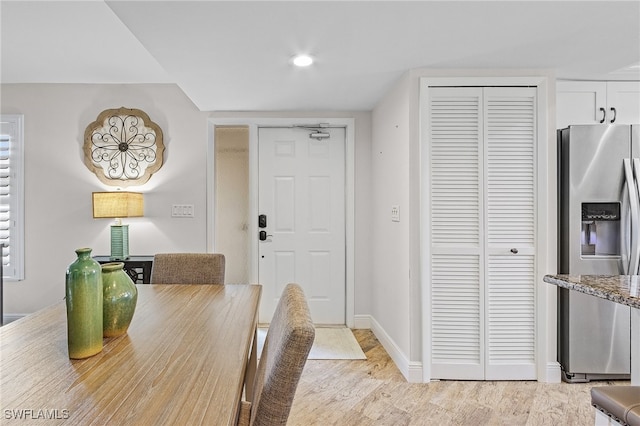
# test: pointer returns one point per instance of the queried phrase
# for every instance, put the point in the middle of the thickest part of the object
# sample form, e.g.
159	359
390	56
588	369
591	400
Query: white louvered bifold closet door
510	135
455	151
481	185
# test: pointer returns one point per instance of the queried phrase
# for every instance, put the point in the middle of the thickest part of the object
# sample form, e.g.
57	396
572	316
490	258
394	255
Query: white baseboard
411	370
415	372
553	374
362	322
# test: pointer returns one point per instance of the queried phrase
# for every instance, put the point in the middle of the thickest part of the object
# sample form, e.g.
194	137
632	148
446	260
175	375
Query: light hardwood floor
374	392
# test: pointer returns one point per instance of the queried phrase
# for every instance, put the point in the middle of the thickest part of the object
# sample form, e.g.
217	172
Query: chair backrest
188	268
284	354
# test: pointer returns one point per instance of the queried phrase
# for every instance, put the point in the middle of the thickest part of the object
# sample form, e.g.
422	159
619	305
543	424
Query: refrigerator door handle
635	232
630	266
625	233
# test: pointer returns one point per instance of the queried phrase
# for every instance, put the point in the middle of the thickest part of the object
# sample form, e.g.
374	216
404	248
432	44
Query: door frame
253	123
548	369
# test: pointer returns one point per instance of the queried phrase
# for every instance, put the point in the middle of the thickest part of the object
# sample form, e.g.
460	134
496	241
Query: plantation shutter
5	196
11	216
510	135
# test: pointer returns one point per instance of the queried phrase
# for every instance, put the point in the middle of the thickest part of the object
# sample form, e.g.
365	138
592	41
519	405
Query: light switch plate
395	213
182	210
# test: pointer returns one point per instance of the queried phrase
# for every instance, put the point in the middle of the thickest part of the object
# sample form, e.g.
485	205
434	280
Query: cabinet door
623	102
510	146
580	102
457	331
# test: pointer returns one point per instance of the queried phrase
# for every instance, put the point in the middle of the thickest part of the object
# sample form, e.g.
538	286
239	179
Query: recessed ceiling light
302	60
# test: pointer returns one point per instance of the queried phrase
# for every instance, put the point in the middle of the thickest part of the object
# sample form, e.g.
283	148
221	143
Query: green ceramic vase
120	296
83	287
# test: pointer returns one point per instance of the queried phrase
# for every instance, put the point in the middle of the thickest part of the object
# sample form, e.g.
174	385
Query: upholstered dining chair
284	354
188	268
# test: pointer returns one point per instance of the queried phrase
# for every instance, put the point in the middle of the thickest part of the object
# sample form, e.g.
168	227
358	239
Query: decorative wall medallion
123	147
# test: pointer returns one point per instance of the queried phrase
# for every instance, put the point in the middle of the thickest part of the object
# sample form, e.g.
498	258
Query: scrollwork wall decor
123	147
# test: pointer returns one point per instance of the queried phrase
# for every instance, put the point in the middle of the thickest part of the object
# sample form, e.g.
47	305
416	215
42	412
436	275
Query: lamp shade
117	204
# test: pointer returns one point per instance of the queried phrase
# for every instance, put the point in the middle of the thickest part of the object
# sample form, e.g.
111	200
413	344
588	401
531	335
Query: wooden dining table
188	353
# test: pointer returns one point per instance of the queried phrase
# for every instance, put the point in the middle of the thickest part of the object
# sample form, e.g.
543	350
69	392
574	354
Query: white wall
58	194
58	186
396	306
232	202
363	190
390	163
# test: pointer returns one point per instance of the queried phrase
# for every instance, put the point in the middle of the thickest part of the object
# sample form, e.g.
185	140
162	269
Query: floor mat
329	343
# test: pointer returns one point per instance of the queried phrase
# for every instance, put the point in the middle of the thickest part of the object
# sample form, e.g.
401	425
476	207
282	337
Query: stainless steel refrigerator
598	233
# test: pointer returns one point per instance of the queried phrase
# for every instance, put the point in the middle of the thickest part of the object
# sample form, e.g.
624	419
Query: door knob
514	250
263	236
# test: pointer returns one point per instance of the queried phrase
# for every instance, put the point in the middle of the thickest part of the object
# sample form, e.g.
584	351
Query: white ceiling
235	55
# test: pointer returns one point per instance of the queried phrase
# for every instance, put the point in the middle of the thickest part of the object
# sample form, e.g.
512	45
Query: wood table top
182	361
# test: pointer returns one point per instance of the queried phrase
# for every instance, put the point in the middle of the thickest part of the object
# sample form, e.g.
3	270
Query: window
12	196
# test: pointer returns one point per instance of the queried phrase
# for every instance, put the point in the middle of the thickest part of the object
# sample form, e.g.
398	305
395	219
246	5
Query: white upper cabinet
623	101
597	102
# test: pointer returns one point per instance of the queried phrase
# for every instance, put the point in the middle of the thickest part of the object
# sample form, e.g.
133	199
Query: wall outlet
395	213
182	210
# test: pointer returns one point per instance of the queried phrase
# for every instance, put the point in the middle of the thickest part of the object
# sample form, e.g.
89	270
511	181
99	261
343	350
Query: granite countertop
623	289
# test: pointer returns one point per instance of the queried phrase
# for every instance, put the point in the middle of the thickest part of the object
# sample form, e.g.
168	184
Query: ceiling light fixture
302	60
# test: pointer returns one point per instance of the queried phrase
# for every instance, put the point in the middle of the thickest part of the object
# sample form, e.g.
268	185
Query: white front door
302	198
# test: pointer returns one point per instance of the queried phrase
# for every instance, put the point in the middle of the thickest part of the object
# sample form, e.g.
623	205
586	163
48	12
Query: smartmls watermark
33	414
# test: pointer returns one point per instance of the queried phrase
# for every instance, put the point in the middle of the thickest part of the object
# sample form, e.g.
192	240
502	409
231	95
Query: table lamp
117	205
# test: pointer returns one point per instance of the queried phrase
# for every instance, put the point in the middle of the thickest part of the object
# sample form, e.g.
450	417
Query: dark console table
137	267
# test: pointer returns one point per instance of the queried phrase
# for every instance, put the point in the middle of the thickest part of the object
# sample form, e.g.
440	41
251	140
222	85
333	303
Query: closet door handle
604	115
514	250
615	114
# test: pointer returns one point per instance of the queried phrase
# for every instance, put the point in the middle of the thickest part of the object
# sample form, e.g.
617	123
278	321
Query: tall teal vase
120	297
83	288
